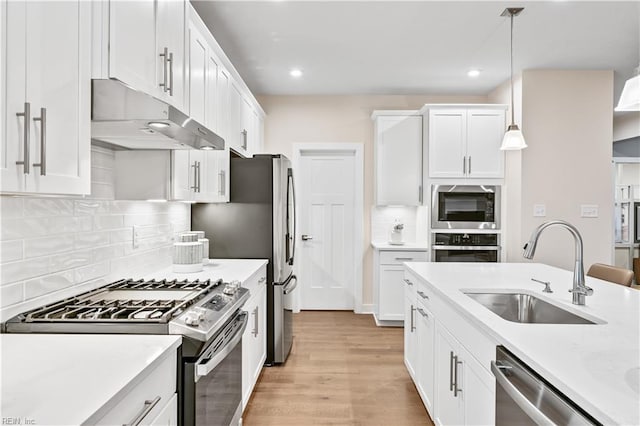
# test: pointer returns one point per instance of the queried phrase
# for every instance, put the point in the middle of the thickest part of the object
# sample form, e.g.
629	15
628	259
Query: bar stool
610	273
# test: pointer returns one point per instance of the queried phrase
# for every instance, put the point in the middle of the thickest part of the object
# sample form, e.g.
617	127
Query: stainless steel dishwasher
524	398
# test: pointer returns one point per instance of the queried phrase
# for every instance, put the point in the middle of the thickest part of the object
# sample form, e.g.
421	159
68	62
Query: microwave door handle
516	396
204	369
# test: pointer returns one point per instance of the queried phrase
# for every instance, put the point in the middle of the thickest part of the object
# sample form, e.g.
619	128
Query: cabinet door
449	408
426	353
183	175
197	74
447	136
132	44
212	109
170	28
235	135
12	94
247	125
410	335
399	160
169	414
260	348
248	348
223	104
485	129
213	173
391	289
479	392
58	85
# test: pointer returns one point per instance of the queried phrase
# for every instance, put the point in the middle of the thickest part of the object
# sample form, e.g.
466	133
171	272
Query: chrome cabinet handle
43	142
306	237
165	64
148	406
424	296
464	165
451	370
199	177
423	313
408	282
262	279
244	138
195	176
221	183
456	389
26	137
469	165
413	325
404	258
170	61
255	322
420	194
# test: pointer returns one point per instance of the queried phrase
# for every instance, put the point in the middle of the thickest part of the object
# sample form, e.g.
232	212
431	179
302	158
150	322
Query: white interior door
327	229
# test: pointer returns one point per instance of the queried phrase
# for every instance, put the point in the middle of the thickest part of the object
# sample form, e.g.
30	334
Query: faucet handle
587	291
547	285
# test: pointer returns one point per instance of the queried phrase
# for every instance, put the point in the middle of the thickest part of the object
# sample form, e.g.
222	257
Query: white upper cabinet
398	157
464	141
198	81
145	46
46	58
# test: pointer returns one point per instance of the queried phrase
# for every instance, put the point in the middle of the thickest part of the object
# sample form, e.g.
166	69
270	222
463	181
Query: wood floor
342	370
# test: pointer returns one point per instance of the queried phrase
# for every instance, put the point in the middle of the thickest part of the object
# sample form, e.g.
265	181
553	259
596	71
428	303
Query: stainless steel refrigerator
259	223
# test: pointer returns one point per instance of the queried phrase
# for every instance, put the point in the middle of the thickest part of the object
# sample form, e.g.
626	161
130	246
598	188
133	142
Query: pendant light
630	97
513	138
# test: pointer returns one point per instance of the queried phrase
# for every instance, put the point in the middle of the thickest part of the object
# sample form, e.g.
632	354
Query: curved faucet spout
580	290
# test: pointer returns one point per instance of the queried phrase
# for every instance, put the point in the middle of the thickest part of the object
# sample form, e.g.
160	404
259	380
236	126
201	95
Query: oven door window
466	255
466	207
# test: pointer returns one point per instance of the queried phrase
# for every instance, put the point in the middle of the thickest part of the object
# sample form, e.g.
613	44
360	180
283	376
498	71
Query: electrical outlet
136	236
588	210
539	210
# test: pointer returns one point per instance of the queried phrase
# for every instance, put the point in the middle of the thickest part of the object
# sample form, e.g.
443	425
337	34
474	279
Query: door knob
307	237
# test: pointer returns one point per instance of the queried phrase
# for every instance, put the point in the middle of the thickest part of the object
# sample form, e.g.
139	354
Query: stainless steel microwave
465	207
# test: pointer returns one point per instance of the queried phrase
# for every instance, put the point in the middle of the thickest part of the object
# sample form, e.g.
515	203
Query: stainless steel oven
213	382
466	247
465	207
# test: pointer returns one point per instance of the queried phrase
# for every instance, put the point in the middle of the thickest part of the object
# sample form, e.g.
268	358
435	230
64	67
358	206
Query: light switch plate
588	210
136	236
539	210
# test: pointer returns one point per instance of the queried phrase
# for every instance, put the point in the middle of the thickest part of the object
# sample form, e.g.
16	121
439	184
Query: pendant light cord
511	49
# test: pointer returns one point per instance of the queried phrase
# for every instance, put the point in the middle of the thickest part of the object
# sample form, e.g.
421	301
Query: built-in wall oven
465	207
465	247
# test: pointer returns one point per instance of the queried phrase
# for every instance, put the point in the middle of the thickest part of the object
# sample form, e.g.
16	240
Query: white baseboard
366	309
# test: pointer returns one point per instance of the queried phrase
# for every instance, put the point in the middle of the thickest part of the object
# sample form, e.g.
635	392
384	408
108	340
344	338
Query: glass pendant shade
513	139
630	97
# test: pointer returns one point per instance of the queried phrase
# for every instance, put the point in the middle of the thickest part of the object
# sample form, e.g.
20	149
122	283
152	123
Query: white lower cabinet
455	387
151	402
388	283
254	339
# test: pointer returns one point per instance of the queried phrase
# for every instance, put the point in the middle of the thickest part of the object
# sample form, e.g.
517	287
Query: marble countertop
227	269
596	366
64	379
385	245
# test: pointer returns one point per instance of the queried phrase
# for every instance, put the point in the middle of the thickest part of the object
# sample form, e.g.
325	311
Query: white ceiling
417	47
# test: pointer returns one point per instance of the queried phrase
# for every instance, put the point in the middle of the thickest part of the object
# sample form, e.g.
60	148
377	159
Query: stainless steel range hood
125	118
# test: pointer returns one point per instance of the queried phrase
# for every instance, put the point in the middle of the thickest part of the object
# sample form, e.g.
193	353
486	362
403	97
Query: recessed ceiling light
296	73
473	73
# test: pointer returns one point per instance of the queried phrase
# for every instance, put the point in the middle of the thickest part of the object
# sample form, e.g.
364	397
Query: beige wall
315	119
568	124
626	125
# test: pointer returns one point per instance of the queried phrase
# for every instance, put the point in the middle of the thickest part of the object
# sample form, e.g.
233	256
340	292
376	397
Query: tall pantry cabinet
46	97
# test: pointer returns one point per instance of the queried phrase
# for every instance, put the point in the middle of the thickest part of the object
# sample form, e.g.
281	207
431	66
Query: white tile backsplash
383	219
50	245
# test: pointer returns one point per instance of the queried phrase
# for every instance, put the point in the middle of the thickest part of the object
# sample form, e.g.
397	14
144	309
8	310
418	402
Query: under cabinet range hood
124	118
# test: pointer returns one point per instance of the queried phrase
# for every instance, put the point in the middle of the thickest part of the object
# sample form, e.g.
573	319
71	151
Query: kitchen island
597	366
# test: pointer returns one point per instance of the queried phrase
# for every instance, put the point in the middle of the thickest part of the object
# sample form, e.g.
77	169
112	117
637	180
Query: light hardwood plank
342	370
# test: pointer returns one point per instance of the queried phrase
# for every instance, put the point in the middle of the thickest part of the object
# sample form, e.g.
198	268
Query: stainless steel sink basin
525	308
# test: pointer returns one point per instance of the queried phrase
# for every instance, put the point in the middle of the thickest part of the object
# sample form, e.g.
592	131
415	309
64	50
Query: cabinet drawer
393	257
160	382
256	281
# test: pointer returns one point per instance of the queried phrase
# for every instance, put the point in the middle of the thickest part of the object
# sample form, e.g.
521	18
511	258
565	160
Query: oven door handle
466	248
204	369
516	396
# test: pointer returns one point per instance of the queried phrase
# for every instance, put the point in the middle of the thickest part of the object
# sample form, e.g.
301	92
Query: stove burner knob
231	288
192	319
201	312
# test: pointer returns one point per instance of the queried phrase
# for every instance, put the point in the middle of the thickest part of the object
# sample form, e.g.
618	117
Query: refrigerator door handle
293	283
291	239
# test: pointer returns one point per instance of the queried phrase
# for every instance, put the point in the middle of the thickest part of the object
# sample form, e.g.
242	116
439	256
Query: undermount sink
525	308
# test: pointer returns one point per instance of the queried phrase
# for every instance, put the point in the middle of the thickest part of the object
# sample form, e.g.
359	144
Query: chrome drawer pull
423	313
261	280
148	406
407	281
404	258
424	296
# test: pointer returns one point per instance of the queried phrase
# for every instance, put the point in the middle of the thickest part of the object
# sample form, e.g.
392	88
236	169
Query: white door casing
330	202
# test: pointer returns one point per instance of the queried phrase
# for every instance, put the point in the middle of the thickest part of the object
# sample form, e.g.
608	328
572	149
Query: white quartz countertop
385	245
54	379
227	269
596	366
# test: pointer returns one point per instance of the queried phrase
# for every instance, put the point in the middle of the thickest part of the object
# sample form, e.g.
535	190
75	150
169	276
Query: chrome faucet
579	290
